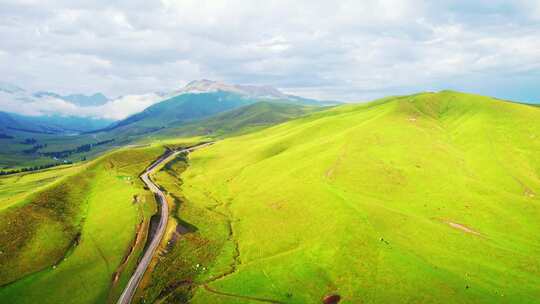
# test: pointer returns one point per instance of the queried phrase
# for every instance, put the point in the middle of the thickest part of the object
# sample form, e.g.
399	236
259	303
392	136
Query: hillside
176	110
266	93
187	108
11	123
409	199
58	245
240	120
56	124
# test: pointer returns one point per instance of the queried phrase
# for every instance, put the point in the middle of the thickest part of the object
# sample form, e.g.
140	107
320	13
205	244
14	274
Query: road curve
131	287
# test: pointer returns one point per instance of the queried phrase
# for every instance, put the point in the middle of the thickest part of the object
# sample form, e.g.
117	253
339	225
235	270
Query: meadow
426	198
14	188
76	240
13	155
197	236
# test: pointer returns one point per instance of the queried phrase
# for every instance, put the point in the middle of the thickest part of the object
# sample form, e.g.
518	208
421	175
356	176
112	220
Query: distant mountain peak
82	100
206	86
264	92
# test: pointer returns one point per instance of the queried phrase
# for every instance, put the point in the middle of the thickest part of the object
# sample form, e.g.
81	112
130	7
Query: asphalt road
131	287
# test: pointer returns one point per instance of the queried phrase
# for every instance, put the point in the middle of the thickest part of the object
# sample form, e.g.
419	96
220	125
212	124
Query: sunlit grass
378	203
89	218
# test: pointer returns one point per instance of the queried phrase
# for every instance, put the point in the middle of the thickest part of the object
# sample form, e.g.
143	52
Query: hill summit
207	86
264	92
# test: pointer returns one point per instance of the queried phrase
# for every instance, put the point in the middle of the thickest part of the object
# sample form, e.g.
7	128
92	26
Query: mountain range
201	99
15	93
96	105
189	110
81	100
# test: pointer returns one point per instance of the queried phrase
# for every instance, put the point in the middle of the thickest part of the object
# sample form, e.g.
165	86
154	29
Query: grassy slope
12	155
97	203
241	120
188	247
358	200
175	111
13	188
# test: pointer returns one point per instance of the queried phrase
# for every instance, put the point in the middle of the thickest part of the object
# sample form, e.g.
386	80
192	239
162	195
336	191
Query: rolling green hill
241	120
75	235
177	110
426	198
193	114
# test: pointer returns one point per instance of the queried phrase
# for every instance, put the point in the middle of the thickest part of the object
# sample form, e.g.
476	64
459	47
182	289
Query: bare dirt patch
331	171
331	299
529	192
139	235
462	228
276	205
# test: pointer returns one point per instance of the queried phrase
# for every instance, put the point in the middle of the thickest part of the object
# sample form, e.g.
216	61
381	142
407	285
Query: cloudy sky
344	50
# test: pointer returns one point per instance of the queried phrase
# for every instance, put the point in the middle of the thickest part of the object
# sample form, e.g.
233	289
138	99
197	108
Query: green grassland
12	155
426	198
246	119
64	243
200	237
13	188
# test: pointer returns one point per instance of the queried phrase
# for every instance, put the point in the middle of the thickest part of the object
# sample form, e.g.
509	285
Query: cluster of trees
5	136
29	141
34	149
80	149
34	168
60	154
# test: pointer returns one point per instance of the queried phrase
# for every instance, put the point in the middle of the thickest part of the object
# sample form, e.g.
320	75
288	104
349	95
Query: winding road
131	287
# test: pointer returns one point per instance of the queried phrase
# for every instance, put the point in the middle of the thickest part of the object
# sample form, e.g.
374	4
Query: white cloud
351	50
124	106
26	104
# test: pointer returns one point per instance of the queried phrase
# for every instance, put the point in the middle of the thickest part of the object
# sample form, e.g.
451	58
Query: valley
283	152
387	201
28	142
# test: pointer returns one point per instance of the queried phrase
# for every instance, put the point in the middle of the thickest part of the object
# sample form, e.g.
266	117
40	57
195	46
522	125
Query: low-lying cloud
119	108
